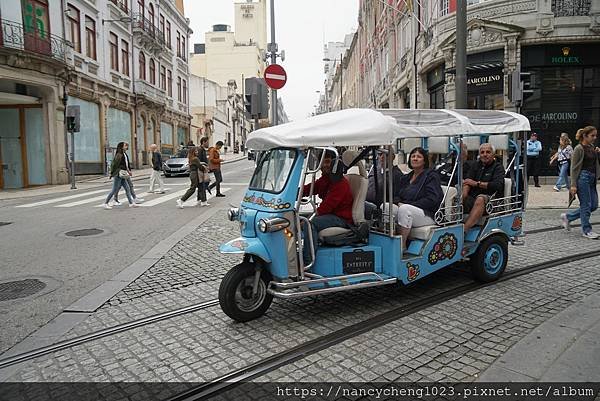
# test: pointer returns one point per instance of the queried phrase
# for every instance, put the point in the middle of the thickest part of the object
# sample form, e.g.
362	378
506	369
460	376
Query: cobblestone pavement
206	344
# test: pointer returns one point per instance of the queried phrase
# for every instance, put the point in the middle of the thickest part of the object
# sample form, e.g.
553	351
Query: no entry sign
275	76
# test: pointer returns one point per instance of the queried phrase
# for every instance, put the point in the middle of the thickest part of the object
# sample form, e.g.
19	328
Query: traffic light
256	99
519	86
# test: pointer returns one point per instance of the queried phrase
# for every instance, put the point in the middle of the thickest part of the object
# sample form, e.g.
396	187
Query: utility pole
273	49
342	81
461	54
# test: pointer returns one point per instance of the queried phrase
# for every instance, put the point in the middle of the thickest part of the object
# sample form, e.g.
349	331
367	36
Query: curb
79	310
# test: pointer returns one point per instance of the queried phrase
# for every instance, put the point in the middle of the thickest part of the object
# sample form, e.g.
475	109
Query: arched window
142	66
152	72
151	14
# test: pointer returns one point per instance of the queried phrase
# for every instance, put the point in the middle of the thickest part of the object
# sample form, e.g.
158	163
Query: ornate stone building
407	58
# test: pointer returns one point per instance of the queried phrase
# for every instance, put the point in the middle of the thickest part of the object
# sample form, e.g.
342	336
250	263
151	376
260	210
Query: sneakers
179	203
564	222
138	200
220	195
107	206
591	235
134	205
557	189
204	204
158	192
116	203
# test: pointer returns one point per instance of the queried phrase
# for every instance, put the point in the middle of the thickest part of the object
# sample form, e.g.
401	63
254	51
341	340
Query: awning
479	67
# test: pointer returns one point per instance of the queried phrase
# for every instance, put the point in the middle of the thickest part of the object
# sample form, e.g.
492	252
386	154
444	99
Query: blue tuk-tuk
274	209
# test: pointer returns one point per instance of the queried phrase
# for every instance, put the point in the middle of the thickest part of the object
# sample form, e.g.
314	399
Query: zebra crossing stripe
94	199
61	199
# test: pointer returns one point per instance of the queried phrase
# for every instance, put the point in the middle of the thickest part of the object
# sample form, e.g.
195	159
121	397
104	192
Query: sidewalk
547	198
91	181
565	348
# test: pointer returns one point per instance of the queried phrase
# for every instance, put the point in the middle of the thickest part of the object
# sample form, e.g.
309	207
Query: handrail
143	23
25	38
122	4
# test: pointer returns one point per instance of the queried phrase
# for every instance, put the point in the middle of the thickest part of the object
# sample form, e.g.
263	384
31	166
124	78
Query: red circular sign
275	76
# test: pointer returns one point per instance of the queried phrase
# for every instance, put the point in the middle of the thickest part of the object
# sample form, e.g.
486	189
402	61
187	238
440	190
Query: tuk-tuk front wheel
237	297
489	261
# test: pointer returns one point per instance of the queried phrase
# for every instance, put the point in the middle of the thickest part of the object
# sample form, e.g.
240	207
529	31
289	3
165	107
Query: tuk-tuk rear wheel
490	259
236	295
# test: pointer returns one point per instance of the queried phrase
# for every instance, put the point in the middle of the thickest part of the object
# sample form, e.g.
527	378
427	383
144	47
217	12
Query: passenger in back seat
484	179
420	195
375	195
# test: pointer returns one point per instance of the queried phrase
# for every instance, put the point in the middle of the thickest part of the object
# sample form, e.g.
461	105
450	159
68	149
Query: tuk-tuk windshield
273	169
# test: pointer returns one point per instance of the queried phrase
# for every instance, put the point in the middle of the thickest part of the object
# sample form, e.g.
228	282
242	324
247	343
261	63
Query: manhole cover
20	289
84	233
4	223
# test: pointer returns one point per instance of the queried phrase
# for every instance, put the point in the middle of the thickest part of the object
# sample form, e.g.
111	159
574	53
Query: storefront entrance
565	80
22	148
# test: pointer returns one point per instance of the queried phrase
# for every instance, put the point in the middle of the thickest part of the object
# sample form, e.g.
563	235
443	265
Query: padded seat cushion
331	231
422	233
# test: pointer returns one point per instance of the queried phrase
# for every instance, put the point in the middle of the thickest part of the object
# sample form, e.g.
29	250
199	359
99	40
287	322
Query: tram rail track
269	364
120	328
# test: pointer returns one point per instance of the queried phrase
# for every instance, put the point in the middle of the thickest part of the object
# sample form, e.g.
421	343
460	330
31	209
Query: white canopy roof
368	127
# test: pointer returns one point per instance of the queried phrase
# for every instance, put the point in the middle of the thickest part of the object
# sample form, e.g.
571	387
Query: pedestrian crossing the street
92	199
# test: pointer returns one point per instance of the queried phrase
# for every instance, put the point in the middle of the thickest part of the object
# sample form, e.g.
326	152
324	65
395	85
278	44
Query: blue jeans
563	177
588	200
131	191
320	223
119	182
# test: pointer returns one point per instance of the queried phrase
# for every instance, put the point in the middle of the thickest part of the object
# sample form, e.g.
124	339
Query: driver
335	209
484	179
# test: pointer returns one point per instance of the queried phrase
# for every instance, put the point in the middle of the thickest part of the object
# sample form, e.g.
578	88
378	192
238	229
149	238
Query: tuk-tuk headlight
233	214
272	225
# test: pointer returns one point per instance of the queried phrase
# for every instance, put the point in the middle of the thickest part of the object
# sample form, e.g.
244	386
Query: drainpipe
135	108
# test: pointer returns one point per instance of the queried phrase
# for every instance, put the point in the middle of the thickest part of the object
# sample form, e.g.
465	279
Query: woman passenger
420	194
585	170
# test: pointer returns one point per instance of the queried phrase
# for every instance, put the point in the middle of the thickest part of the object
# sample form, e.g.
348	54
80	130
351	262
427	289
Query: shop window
90	37
74	27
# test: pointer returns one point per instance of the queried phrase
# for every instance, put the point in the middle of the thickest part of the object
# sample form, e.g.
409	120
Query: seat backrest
359	186
449	202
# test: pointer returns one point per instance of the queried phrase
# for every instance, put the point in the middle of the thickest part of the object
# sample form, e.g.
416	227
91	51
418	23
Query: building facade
33	72
131	78
123	62
406	52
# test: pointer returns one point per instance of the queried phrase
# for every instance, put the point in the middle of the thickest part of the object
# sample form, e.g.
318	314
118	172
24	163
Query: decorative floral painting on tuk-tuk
517	224
413	271
445	248
274	203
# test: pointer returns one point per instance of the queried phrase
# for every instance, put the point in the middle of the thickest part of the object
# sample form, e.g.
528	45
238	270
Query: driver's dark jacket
493	174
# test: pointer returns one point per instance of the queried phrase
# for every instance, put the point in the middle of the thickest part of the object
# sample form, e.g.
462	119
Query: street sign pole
273	61
461	54
72	159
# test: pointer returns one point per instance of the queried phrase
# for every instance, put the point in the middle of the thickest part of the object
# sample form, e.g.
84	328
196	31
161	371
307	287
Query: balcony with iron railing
29	39
147	30
143	88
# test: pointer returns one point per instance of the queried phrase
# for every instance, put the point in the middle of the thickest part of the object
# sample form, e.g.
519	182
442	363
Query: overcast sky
302	28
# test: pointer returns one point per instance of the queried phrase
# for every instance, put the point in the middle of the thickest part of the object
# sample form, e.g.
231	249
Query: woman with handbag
197	171
563	157
119	174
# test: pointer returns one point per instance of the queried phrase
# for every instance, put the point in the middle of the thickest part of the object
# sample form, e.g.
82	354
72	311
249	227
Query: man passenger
335	209
484	179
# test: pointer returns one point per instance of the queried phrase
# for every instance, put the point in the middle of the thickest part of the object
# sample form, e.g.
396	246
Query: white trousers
408	216
156	177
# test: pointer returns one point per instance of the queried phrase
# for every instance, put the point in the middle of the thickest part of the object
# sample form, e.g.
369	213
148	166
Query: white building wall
251	22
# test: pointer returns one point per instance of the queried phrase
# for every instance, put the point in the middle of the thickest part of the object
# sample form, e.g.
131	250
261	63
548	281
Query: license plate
358	261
